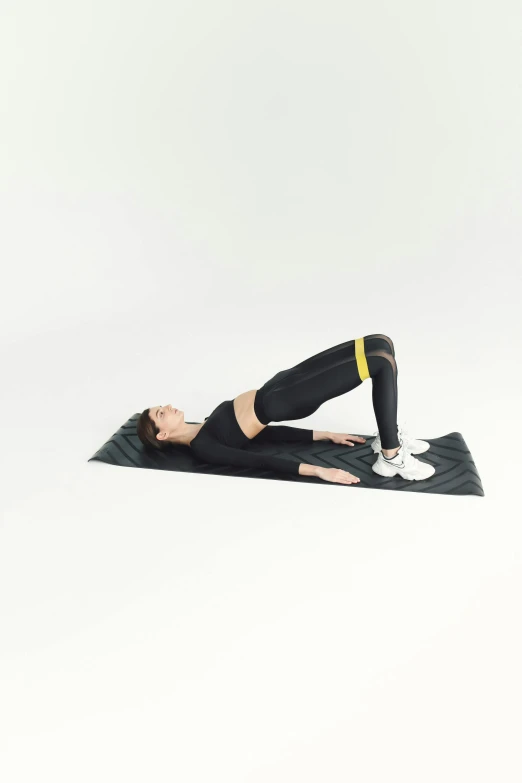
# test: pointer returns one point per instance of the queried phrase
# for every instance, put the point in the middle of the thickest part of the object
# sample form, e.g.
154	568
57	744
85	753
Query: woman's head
160	426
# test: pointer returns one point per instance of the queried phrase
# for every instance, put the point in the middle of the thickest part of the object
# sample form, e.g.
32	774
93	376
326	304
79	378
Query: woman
295	394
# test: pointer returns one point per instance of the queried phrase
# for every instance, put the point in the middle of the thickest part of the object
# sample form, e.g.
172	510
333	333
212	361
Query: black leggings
298	392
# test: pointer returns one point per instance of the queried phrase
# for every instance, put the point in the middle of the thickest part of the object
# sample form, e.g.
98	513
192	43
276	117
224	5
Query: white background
193	196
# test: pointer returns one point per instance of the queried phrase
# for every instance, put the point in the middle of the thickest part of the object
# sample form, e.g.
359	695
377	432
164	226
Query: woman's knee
378	360
384	342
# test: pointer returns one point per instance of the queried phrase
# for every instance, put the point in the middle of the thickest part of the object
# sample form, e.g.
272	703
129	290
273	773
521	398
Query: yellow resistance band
362	364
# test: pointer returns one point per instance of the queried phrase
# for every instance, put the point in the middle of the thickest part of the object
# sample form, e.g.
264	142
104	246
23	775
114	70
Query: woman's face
166	417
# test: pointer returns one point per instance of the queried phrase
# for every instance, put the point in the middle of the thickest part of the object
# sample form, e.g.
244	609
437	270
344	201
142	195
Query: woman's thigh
299	391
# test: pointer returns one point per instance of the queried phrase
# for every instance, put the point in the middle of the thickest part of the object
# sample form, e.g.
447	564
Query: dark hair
147	431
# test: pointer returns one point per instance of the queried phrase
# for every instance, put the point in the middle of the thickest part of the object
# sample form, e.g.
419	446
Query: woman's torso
246	418
243	406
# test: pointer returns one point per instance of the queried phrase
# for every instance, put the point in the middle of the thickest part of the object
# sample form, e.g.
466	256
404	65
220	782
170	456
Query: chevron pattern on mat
455	470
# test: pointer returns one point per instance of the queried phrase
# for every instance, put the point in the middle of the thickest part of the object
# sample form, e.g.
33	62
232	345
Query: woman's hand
336	475
342	438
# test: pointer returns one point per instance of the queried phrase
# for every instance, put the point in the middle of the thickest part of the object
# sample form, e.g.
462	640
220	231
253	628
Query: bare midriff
246	418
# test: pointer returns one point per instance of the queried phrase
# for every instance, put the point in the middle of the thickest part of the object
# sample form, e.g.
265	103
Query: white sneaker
413	445
404	464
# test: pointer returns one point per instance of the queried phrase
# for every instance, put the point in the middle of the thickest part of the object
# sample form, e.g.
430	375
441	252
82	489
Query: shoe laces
403	432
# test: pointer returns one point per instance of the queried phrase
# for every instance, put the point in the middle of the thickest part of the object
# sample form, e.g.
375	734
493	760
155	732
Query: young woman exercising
295	394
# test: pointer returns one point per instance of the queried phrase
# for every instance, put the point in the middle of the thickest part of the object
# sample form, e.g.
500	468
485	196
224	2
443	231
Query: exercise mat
455	470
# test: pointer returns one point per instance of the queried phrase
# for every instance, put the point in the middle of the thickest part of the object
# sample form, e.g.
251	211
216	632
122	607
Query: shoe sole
397	471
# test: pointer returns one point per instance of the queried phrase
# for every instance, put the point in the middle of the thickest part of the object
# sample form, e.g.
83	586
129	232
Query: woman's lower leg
383	372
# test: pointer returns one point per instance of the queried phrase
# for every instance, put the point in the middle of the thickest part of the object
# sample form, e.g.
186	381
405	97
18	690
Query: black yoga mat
455	470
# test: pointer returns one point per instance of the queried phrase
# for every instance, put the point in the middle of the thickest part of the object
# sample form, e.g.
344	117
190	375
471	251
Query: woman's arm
272	434
210	450
308	470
